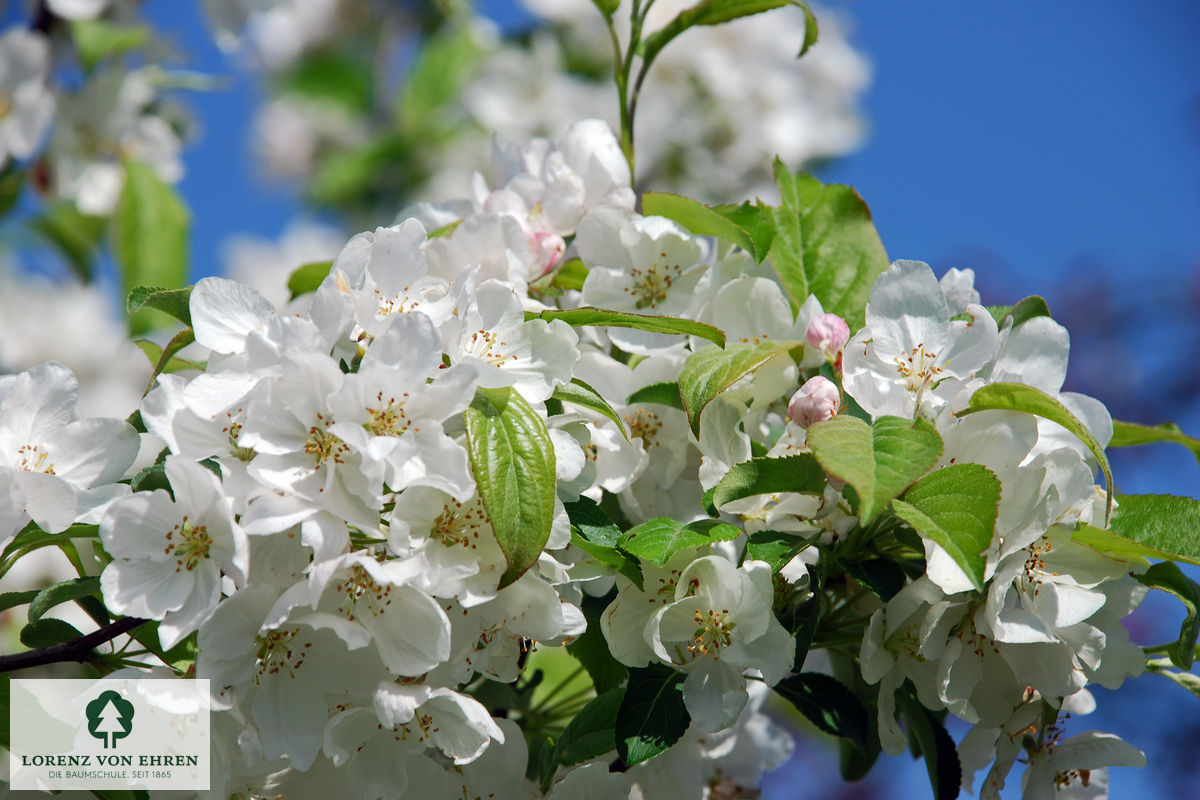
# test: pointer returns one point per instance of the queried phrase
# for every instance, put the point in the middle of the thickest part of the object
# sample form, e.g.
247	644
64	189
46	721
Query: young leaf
581	394
96	39
651	716
176	302
880	460
587	315
956	508
1106	542
826	244
799	473
614	557
13	599
757	224
776	548
828	704
590	733
710	371
150	236
62	592
48	632
715	12
592	523
165	360
1164	522
665	393
1170	578
513	462
308	277
1130	434
1019	397
700	219
1027	309
662	537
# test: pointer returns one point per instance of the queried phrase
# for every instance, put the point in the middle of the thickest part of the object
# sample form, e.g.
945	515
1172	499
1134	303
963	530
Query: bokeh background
1054	148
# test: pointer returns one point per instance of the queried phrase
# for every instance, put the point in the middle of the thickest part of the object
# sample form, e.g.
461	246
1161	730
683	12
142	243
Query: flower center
487	346
388	419
645	425
33	459
396	304
361	590
233	429
713	631
458	526
188	543
918	369
277	653
650	286
323	444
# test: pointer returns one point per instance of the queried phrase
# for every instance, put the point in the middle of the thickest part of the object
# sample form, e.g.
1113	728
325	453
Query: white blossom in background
265	265
26	101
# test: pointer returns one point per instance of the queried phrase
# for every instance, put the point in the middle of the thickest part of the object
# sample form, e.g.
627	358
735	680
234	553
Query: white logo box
131	733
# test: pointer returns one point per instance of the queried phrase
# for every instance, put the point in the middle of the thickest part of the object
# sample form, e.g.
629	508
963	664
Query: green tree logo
110	717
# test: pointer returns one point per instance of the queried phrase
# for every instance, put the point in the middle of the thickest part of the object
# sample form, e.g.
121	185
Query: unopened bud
818	399
829	334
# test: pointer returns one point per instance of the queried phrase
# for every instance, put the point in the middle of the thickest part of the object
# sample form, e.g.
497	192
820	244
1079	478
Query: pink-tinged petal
225	311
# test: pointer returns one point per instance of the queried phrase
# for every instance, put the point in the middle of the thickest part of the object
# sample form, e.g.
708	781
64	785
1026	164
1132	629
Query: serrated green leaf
665	394
74	235
652	716
150	238
512	458
828	704
592	523
796	473
13	599
97	39
176	302
590	734
710	371
956	508
613	557
581	394
588	315
1106	542
47	632
1019	397
308	277
62	592
662	537
1131	434
164	359
701	220
879	460
826	244
758	225
1168	577
936	746
776	548
1164	522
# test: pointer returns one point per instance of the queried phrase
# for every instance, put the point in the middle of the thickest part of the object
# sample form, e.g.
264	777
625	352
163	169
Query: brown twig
80	650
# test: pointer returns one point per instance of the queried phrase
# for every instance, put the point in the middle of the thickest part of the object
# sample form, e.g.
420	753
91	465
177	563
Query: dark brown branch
80	650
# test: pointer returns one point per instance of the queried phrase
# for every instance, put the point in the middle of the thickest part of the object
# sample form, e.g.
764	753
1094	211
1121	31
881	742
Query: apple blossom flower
818	399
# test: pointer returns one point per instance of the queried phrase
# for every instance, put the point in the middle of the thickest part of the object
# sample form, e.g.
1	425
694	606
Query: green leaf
757	224
176	302
590	734
1108	543
776	548
338	76
12	180
606	7
715	12
1027	309
801	620
74	235
581	394
62	592
936	746
513	462
662	537
703	221
592	523
48	632
652	716
1162	666
879	460
571	274
587	315
150	478
811	32
828	704
97	39
798	473
173	363
443	63
591	649
710	371
956	508
308	277
13	599
826	244
881	576
665	394
1019	397
1166	523
1170	578
150	237
613	557
1130	434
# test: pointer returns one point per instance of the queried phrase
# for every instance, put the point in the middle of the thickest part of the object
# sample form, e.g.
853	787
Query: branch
79	650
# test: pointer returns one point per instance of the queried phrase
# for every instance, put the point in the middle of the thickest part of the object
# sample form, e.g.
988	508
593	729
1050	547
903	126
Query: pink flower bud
816	400
547	249
829	334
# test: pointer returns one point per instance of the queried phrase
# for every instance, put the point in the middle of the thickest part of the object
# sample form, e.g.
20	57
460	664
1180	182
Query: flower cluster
535	417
